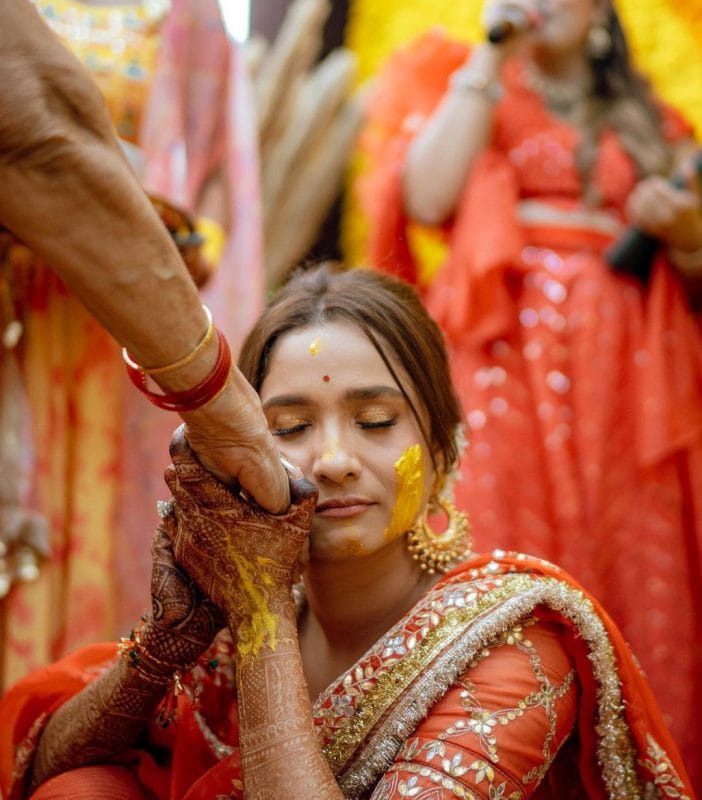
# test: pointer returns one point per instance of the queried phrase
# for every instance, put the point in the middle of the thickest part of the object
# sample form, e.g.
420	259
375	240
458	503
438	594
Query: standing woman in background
581	387
179	99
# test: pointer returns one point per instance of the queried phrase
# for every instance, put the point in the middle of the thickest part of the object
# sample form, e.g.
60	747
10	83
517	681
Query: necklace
562	97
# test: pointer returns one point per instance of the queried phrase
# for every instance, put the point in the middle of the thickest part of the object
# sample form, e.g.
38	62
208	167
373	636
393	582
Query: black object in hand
634	251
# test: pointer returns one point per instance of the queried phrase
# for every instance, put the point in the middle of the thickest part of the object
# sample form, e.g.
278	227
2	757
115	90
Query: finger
685	200
266	481
302	491
161	547
293	471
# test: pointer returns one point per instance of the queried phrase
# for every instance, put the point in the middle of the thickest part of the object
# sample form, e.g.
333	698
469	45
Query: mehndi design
241	556
110	713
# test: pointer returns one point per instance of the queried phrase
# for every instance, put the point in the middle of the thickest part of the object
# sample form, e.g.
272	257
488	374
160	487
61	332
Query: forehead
329	357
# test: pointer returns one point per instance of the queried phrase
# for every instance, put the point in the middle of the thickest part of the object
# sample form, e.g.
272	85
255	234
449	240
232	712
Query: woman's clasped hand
245	559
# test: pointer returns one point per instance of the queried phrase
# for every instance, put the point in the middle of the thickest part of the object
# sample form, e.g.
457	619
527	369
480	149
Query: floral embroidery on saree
366	718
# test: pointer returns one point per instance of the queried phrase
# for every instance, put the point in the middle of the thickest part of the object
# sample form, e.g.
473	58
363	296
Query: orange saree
582	388
506	680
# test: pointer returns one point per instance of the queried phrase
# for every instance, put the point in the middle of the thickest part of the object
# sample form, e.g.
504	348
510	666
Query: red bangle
193	398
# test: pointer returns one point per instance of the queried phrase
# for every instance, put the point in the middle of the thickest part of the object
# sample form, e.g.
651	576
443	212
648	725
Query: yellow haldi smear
352	547
314	347
409	469
260	625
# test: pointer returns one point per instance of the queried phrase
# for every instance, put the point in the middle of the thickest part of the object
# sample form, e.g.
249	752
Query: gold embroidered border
395	704
399	676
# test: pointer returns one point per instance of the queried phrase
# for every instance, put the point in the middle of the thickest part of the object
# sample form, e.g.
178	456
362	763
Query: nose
337	461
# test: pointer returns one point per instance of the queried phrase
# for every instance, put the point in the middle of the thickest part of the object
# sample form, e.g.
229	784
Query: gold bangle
470	79
209	333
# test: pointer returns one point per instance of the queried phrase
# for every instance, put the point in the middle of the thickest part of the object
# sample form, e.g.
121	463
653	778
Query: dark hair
621	97
393	318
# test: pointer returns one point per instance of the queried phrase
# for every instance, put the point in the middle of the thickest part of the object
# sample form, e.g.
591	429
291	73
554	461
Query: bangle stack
205	391
470	79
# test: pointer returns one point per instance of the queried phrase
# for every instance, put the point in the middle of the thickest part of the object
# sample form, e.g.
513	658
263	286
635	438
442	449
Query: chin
336	546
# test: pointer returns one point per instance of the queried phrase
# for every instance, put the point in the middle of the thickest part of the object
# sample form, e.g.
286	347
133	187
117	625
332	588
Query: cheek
409	492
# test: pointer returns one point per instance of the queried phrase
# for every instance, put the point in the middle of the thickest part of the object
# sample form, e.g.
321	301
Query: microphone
514	21
635	251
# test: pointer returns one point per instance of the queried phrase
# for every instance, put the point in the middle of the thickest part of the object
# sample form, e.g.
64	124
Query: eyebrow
361	393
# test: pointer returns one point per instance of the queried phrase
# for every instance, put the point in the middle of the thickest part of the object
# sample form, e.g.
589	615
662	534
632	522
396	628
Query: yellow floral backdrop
665	37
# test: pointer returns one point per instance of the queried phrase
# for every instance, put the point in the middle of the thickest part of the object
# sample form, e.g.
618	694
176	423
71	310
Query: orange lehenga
506	680
582	388
177	88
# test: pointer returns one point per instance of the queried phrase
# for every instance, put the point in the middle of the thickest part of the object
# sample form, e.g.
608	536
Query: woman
385	679
533	155
178	97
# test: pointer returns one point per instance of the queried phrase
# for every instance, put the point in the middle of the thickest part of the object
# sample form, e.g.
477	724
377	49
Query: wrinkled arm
68	192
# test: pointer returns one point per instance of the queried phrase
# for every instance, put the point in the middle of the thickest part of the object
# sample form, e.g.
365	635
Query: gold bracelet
471	79
209	333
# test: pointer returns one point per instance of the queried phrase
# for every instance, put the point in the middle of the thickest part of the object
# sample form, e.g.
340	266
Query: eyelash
292	429
386	423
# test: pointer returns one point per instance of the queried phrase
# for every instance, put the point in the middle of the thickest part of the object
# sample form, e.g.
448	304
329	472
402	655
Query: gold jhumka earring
599	42
438	552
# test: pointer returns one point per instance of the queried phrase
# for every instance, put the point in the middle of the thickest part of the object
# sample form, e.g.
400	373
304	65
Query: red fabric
582	388
643	713
178	762
490	691
92	783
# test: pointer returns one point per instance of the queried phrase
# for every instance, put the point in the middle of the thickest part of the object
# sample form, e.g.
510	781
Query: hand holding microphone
506	22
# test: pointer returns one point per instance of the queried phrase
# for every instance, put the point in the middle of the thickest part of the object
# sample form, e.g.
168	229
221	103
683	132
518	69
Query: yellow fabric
118	44
665	38
215	239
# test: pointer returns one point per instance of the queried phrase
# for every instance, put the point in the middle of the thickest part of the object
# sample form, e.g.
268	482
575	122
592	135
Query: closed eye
291	430
385	423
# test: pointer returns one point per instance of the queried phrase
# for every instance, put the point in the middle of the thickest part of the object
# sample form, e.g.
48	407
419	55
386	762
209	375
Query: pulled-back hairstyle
394	320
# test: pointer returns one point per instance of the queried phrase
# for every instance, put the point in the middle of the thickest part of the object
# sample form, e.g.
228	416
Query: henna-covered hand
243	558
184	621
108	715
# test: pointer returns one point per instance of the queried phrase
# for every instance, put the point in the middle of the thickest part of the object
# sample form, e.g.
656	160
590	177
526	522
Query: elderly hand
243	558
231	439
667	213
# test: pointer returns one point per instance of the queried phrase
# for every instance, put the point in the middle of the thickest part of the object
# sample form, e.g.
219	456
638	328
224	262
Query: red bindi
326	378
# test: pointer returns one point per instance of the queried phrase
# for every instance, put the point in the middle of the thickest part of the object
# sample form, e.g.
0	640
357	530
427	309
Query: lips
338	507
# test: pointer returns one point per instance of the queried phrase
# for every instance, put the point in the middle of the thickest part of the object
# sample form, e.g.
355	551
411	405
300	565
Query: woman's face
339	415
564	23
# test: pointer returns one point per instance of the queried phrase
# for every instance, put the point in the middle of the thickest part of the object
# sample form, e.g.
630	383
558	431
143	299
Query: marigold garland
665	38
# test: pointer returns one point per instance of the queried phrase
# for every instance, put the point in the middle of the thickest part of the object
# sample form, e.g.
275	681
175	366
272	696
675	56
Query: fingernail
291	469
